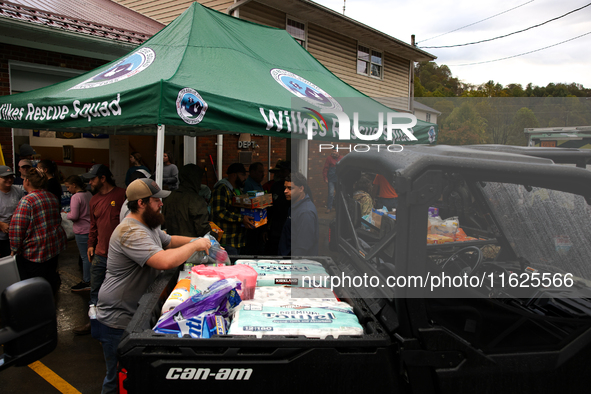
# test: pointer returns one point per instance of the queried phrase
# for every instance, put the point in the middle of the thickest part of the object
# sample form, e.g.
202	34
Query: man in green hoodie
185	211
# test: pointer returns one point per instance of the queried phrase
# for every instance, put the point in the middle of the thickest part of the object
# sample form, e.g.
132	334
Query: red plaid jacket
36	227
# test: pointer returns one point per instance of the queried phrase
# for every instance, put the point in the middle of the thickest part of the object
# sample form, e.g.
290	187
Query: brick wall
207	146
29	55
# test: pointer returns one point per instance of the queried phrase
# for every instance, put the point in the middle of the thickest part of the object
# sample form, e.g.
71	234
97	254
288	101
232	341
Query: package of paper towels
311	319
299	273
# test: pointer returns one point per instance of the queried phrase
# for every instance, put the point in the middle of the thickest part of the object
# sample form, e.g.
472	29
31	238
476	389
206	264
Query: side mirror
29	322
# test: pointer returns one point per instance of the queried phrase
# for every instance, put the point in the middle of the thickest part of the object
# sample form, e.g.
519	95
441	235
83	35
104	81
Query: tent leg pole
220	153
269	161
159	154
190	144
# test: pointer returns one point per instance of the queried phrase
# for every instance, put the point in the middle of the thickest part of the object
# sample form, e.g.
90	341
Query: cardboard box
438	239
376	217
244	201
259	215
216	231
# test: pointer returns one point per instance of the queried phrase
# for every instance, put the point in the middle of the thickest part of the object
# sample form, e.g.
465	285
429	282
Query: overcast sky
568	62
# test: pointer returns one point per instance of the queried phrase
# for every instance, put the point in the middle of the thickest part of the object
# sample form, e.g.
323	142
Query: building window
428	117
369	62
297	31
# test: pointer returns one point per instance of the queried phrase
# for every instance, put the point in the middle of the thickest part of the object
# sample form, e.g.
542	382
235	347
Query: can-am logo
128	67
205	373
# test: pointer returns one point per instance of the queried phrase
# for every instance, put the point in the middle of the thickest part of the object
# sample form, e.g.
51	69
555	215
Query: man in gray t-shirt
9	198
138	250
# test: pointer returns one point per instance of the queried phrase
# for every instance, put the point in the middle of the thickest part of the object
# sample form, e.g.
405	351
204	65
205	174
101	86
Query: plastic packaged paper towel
179	294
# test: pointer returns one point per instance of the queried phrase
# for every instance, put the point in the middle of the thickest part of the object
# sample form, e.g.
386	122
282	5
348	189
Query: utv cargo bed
158	362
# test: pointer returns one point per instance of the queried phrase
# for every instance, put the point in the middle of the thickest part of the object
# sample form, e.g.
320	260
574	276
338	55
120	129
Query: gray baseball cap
143	188
5	171
97	170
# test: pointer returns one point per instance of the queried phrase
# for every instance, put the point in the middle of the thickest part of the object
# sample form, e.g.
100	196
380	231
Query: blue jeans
97	276
331	190
82	242
109	338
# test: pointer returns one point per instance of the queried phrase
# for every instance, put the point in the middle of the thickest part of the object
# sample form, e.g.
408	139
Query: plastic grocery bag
447	227
217	255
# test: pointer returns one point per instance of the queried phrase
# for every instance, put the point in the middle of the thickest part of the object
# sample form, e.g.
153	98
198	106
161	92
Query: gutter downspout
411	104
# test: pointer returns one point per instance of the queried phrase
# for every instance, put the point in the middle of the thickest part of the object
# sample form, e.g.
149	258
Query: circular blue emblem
304	89
125	68
190	106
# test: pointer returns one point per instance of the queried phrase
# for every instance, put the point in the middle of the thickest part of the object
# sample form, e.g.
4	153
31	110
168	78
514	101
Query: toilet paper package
298	273
302	294
310	319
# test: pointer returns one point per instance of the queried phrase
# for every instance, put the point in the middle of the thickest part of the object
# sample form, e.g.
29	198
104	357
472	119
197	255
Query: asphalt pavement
77	363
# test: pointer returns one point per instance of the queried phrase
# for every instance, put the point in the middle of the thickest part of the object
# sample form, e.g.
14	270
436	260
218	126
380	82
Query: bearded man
227	216
105	206
138	250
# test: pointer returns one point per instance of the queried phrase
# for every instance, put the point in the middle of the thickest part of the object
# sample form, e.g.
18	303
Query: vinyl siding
258	13
339	54
165	11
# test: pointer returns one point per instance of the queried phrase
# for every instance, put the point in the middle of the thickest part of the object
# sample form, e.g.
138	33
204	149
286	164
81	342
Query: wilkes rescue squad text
57	112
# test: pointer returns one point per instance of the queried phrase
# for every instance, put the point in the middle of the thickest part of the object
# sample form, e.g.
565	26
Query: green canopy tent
205	73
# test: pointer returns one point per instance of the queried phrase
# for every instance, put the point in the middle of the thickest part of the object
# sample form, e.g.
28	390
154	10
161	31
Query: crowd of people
119	231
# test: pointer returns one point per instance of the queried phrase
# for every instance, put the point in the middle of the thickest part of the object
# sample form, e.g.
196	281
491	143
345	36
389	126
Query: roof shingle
100	18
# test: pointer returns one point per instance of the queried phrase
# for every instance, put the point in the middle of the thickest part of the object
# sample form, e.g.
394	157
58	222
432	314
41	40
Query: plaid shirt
227	217
36	227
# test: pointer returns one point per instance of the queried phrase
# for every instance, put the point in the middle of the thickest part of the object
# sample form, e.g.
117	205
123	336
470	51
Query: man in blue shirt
256	174
300	232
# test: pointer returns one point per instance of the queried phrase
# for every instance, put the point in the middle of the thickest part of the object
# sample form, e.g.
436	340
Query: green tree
498	119
463	126
436	80
524	118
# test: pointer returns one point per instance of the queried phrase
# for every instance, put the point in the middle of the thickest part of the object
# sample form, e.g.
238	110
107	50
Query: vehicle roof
580	157
487	163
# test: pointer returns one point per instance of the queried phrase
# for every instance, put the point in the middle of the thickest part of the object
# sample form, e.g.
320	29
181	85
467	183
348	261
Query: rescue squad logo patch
305	89
190	106
128	67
